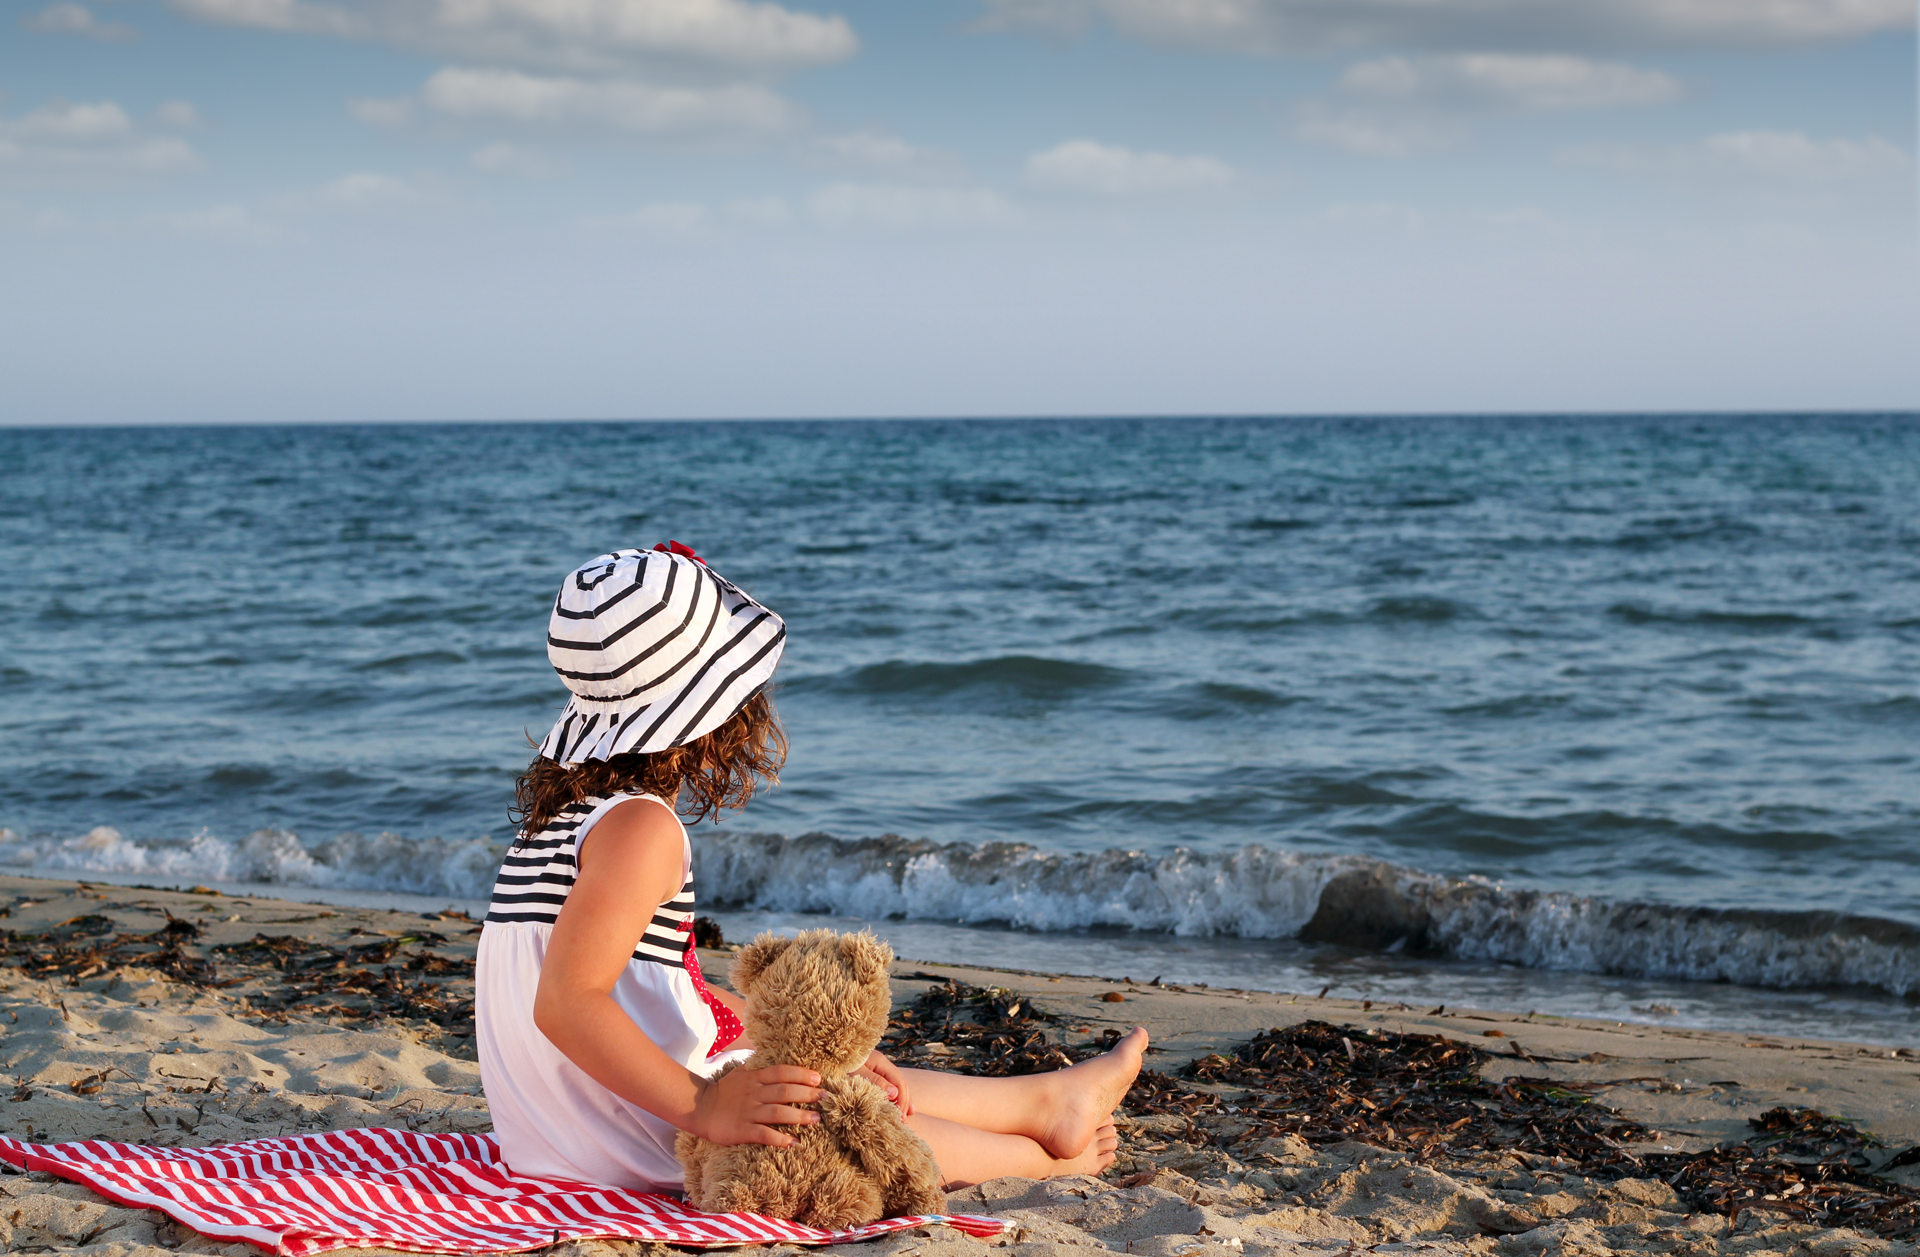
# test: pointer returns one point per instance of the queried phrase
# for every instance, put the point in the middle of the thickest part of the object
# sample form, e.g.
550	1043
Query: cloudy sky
283	210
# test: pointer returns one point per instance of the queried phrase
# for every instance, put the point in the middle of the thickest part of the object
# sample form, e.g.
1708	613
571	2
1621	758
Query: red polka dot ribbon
728	1025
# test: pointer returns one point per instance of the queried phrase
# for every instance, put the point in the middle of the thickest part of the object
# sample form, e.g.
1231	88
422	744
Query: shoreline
1278	965
173	1017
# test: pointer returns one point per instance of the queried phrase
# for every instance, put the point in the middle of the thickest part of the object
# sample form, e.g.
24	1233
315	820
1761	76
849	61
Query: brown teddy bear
819	1000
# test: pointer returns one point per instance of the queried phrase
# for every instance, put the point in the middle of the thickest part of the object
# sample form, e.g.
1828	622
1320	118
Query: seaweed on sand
87	946
401	976
318	980
1429	1096
1421	1092
981	1030
1799	1163
417	978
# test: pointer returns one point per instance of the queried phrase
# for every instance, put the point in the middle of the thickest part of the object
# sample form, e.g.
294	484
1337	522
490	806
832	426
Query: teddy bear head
819	999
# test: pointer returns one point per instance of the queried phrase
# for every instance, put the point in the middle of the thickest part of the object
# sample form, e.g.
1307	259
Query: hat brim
593	729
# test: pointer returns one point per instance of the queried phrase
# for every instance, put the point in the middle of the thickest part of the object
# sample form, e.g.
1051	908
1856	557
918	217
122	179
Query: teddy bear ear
754	957
867	955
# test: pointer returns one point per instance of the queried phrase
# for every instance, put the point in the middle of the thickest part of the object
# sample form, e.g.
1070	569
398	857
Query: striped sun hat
657	648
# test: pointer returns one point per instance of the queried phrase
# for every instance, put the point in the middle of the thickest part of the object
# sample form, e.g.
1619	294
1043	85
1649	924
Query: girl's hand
886	1075
746	1106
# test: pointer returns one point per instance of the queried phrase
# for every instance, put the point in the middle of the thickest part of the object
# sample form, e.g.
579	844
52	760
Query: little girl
597	1035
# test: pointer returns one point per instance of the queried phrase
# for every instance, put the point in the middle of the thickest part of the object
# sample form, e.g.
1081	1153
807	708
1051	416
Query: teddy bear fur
818	1000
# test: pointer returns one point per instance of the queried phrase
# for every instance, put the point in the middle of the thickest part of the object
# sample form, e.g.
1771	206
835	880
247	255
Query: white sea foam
1253	893
1261	892
456	868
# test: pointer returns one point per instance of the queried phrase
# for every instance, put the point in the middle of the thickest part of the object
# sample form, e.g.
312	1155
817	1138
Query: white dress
551	1119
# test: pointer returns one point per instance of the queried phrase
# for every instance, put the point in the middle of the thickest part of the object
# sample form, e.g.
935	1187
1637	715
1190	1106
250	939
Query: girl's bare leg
1059	1113
968	1155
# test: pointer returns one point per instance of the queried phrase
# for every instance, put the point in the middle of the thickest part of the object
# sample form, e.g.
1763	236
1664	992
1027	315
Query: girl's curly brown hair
715	771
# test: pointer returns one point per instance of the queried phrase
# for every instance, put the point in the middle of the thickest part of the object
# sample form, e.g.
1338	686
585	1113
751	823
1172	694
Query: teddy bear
818	1000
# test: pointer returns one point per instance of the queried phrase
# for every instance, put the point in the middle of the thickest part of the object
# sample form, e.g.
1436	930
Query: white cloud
1376	218
369	190
231	222
382	112
178	114
690	220
667	218
904	206
1396	106
84	123
1110	170
764	211
1374	133
94	137
1506	81
1777	156
38	218
876	149
622	104
517	160
576	35
77	19
292	16
1307	26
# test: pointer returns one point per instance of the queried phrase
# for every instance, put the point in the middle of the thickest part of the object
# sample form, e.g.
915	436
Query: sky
374	210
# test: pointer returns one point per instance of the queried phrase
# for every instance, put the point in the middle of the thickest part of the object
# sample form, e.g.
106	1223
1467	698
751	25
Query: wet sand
175	1018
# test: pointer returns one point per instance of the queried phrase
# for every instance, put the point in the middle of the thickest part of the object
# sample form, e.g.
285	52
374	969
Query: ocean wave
455	867
1255	892
1262	892
1418	610
1735	621
1029	677
1215	700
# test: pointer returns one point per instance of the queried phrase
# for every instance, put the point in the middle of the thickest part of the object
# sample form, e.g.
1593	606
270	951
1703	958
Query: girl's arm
635	866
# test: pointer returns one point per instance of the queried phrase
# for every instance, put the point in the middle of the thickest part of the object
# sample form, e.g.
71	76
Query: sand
133	1054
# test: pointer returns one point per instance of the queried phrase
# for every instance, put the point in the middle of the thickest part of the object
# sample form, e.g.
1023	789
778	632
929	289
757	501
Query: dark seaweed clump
419	978
977	1030
400	977
1420	1092
1803	1164
1429	1096
88	946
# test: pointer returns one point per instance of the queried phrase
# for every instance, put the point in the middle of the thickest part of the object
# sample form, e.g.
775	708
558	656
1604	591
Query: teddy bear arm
692	1153
870	1128
696	1155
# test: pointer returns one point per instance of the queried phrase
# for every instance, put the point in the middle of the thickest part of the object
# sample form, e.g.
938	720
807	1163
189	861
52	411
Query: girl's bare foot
1084	1097
1097	1156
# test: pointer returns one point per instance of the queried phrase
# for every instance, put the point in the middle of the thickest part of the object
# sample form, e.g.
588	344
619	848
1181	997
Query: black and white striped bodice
538	874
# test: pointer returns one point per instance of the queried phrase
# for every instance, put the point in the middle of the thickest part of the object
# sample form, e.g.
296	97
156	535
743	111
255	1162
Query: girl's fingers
787	1073
788	1093
785	1115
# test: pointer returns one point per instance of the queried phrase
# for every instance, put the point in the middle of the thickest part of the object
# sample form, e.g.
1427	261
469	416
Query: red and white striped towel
422	1193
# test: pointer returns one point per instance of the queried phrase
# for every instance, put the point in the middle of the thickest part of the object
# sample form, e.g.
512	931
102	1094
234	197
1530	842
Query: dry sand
132	1054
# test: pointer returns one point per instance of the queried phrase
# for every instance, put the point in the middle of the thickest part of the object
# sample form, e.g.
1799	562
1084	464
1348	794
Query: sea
1606	716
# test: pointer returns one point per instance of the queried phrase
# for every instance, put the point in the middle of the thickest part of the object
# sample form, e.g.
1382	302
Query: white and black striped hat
657	648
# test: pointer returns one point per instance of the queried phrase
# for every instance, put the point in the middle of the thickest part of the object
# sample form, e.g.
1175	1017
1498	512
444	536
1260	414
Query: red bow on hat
685	552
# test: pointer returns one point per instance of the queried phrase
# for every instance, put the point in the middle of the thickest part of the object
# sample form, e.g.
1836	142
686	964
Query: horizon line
1888	412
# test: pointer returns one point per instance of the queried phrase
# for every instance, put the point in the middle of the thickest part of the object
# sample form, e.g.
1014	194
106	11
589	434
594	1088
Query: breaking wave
1255	892
456	868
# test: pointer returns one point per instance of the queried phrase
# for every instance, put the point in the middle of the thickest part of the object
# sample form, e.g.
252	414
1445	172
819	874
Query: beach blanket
445	1193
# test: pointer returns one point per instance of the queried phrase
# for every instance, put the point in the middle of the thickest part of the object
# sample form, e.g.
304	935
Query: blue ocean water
1548	701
